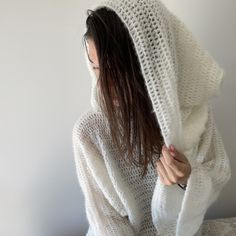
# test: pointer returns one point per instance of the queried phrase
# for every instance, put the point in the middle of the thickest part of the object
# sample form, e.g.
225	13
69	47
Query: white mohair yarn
181	79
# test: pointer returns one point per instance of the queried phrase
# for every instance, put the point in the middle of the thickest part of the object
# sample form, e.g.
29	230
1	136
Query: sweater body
181	78
142	190
94	128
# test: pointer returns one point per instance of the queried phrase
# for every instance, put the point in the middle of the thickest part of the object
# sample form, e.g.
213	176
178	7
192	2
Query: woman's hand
173	167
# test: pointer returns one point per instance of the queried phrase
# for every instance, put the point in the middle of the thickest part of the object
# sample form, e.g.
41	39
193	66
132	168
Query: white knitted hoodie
181	79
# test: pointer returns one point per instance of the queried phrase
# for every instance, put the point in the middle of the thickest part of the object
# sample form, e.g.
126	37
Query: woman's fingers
171	164
178	155
172	173
169	167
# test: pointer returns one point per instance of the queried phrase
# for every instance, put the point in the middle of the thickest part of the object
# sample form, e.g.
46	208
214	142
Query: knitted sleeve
210	173
103	218
209	176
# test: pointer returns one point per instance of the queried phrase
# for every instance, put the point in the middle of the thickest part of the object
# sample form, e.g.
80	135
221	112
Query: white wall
45	86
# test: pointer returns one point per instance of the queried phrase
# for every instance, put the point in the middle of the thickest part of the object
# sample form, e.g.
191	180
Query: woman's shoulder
90	124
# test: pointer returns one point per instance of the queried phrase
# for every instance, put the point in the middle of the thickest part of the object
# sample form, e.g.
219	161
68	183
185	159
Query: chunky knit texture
181	79
142	190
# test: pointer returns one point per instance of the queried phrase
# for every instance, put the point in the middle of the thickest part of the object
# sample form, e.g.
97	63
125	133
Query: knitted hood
181	78
179	73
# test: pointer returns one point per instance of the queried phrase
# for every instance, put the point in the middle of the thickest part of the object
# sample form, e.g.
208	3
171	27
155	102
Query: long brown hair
120	76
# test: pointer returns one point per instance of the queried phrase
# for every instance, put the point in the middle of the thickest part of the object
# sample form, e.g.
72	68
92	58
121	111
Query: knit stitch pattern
181	78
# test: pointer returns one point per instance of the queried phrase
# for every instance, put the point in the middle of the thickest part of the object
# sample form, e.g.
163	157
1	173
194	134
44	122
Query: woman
144	112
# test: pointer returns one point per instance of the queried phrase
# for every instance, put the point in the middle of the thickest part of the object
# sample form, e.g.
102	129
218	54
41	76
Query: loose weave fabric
181	78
